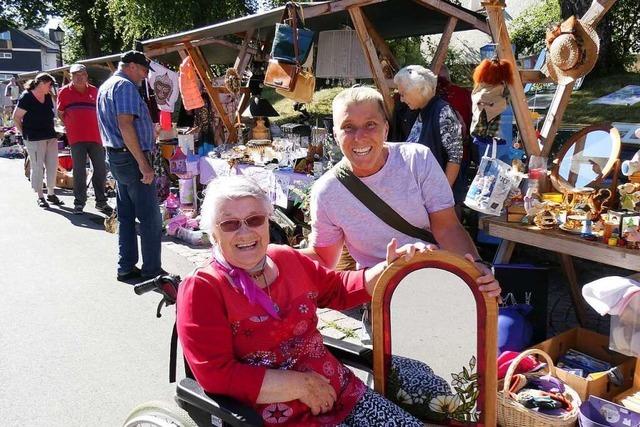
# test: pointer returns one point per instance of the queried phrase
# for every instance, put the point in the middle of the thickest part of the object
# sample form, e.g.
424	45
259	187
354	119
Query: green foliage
527	31
24	13
143	19
624	18
407	51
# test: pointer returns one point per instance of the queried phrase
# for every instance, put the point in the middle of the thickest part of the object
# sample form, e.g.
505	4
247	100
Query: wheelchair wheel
158	414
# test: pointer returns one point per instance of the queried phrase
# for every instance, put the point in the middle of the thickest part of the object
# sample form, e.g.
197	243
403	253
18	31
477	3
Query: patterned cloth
485	129
412	387
119	95
450	131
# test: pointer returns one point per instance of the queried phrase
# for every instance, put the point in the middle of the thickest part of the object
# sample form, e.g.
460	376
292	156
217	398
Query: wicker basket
513	414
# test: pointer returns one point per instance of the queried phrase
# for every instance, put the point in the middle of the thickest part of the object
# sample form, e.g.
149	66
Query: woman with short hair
33	118
248	325
437	126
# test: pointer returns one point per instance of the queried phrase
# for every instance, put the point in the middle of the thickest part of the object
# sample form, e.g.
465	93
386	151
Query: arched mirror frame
486	320
562	185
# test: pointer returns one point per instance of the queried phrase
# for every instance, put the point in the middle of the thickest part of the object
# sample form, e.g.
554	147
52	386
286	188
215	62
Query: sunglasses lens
255	220
230	225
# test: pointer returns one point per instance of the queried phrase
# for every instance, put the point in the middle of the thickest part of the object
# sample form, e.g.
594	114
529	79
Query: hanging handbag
378	206
281	75
303	89
292	42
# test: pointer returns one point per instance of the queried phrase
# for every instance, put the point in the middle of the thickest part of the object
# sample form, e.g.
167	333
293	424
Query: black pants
79	152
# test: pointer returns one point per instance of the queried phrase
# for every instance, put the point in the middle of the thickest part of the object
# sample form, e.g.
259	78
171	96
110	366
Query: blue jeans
136	200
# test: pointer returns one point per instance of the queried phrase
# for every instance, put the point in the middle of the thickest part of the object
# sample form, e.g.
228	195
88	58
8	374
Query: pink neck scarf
243	282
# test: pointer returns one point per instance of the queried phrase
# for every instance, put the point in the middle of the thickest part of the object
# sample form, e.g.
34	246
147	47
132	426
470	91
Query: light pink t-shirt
411	182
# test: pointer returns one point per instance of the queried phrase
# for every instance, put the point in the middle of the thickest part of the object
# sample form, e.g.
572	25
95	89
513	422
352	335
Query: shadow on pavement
86	220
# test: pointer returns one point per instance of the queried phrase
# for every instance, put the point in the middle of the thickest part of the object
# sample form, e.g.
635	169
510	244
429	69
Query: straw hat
572	50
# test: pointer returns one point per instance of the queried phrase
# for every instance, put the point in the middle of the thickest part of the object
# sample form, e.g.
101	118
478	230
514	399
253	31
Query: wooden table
566	245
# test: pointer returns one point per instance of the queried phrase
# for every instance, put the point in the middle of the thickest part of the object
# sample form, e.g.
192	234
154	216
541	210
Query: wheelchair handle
146	286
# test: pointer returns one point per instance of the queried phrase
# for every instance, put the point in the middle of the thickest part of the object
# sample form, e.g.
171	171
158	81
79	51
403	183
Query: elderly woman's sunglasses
252	221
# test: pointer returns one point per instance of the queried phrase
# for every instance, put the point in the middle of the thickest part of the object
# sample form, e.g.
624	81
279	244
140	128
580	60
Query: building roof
40	38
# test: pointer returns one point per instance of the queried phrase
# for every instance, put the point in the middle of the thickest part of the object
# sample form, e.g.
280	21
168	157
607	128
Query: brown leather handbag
305	86
281	75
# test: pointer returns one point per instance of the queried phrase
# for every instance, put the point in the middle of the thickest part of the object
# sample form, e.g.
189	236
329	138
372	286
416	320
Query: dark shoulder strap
378	206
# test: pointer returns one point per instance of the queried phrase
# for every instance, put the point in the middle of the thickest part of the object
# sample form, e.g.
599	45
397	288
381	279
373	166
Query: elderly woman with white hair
437	126
248	326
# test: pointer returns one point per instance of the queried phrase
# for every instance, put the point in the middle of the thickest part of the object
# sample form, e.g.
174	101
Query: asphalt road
77	347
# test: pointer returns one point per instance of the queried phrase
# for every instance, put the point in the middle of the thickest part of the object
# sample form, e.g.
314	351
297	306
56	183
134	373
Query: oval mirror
586	158
435	340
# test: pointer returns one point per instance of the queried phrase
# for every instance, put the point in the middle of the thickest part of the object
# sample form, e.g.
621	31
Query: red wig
492	72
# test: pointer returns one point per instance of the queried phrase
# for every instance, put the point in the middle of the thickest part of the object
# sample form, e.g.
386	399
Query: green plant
528	30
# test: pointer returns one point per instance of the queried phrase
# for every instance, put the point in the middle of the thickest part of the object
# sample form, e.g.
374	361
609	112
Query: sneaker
78	210
104	208
135	273
42	203
54	199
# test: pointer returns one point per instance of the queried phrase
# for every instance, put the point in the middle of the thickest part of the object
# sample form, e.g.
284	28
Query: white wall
49	60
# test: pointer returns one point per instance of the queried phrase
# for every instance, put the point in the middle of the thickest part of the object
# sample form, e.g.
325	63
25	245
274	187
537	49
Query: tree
24	13
527	31
100	27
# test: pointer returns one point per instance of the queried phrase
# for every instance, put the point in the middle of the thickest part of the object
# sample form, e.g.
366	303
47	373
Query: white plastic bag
491	185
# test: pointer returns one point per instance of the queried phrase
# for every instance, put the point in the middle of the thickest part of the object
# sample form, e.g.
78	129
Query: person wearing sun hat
129	137
572	50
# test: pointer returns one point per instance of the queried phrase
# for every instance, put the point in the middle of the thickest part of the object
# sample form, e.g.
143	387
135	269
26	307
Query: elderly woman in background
437	126
33	117
248	326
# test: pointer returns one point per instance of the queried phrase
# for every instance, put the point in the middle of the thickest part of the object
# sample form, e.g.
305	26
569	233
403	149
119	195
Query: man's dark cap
137	58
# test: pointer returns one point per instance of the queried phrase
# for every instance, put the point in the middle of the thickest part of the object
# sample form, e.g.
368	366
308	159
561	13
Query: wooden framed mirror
587	158
430	310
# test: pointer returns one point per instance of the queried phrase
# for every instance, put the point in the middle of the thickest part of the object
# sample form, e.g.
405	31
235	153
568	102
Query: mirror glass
433	321
587	158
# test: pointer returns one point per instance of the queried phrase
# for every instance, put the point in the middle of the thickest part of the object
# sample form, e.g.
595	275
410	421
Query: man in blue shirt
128	136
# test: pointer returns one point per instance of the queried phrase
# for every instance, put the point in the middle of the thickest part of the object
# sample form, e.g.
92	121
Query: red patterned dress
230	343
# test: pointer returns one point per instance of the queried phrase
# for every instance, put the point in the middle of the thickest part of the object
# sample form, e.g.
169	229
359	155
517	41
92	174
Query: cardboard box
595	345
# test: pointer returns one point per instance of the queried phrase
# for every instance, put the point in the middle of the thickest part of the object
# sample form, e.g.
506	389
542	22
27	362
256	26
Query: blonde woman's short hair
357	95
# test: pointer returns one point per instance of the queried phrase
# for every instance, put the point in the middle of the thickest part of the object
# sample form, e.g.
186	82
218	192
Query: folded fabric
527	364
547	383
610	295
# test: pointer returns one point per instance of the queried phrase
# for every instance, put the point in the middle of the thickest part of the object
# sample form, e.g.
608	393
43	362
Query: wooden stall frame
201	66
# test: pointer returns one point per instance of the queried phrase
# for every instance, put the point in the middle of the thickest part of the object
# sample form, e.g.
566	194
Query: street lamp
58	37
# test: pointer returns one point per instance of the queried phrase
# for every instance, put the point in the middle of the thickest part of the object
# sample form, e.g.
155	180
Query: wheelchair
195	407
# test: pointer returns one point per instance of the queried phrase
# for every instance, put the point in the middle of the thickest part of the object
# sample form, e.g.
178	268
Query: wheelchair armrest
350	354
228	409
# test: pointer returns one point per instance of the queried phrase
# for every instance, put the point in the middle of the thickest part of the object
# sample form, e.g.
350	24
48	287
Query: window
6	55
6	35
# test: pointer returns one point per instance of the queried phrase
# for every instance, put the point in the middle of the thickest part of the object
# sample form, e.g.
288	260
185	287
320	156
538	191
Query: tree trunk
604	30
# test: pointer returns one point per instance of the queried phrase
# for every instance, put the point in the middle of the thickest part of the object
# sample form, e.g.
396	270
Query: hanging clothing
164	83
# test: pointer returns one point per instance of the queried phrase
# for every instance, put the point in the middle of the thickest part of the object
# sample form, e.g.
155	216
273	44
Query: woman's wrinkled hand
316	392
408	251
487	283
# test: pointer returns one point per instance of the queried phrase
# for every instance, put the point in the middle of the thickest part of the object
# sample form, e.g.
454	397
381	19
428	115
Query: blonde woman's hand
408	251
